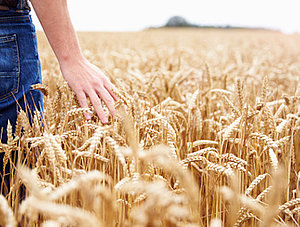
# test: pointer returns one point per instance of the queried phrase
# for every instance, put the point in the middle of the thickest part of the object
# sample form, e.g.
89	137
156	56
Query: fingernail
105	121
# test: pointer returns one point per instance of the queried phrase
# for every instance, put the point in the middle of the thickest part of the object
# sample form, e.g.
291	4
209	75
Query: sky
135	15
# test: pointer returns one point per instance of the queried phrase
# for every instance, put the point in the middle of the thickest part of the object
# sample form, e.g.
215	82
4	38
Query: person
20	65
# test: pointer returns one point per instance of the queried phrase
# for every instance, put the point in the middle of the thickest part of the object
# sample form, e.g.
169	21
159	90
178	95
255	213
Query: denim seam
4	37
17	17
17	74
21	4
4	40
14	18
4	21
19	67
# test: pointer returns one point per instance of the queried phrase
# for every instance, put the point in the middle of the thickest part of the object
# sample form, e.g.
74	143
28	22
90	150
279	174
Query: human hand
87	80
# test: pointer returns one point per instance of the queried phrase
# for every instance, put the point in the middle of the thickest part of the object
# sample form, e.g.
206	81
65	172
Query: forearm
55	19
84	78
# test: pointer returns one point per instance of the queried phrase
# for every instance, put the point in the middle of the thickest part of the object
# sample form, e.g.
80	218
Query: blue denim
16	4
19	69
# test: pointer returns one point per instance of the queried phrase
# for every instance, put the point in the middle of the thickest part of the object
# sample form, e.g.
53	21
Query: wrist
71	59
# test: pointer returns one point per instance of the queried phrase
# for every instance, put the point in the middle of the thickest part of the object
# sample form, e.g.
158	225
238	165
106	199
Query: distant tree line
180	22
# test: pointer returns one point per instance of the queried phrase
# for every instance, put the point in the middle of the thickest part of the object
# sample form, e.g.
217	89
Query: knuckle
97	84
95	101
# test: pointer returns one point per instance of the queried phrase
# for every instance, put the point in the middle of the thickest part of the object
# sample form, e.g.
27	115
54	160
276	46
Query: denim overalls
19	66
16	4
19	69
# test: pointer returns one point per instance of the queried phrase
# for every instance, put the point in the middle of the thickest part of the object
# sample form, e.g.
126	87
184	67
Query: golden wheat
207	134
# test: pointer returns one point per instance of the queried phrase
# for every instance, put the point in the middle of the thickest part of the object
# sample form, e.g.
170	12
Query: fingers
95	95
108	100
98	106
95	85
83	103
110	88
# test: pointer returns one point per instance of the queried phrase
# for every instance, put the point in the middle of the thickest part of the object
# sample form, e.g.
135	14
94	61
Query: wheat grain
7	218
174	88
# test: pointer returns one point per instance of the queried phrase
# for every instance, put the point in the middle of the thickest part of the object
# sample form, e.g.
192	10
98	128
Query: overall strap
22	4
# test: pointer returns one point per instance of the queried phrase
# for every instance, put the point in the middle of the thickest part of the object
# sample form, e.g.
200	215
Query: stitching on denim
21	4
14	18
12	50
19	63
10	21
13	91
17	74
4	39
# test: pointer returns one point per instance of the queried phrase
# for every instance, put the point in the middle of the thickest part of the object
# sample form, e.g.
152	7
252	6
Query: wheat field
207	134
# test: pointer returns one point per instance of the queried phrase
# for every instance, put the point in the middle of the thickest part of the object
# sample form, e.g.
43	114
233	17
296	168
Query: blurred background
135	15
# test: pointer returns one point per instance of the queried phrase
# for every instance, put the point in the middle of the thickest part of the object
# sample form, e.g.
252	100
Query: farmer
20	65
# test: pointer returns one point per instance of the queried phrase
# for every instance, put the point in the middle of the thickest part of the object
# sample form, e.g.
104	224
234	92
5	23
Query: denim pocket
9	66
